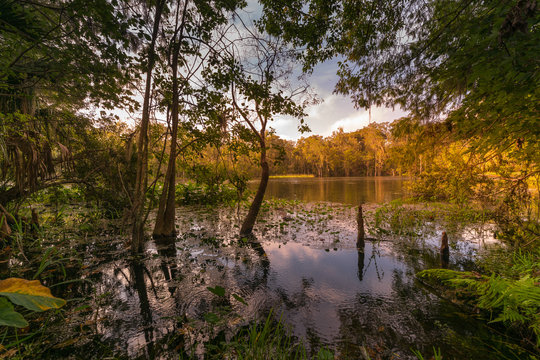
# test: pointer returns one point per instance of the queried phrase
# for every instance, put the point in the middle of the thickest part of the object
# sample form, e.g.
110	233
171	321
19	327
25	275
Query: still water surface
358	302
352	190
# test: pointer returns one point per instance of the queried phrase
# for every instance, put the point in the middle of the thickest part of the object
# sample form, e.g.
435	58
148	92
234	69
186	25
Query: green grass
264	341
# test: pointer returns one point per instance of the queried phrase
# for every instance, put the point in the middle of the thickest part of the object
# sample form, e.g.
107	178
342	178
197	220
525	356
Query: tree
193	37
141	180
345	153
314	151
472	64
258	82
66	53
57	57
374	139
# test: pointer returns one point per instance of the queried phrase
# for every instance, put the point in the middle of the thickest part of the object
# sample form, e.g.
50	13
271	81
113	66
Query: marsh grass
268	340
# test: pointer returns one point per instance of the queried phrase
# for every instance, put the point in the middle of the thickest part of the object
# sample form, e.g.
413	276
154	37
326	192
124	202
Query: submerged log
360	240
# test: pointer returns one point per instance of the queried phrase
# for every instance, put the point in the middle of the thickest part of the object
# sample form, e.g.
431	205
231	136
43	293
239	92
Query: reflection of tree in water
419	257
313	339
137	270
142	302
303	302
375	254
298	300
381	324
166	248
254	244
361	260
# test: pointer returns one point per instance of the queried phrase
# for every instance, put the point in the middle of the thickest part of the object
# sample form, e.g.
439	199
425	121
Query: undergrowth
409	218
510	295
263	341
192	193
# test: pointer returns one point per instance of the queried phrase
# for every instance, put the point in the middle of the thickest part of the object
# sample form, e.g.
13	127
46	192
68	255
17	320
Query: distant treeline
445	166
403	147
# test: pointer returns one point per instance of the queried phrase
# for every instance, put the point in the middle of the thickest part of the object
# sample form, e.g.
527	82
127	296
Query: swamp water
344	190
306	268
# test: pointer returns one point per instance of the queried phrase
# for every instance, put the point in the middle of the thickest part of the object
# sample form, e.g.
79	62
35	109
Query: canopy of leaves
473	63
63	51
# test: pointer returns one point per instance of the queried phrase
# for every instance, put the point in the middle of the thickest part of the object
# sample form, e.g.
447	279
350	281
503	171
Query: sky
334	111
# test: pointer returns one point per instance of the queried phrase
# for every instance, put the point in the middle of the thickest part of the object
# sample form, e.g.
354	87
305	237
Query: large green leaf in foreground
30	294
9	317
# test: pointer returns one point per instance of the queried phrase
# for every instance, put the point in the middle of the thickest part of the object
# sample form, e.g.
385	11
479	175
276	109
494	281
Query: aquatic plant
512	298
394	218
193	193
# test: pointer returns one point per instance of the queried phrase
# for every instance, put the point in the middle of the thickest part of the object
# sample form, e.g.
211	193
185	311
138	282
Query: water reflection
166	249
361	257
304	264
350	190
137	270
378	309
252	242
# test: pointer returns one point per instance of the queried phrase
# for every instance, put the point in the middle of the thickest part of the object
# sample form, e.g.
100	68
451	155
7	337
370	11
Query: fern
512	300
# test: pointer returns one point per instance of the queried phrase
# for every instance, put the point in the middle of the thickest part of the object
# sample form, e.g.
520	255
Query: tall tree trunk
141	180
249	221
165	219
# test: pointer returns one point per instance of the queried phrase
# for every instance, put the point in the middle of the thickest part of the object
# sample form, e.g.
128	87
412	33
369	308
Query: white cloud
334	112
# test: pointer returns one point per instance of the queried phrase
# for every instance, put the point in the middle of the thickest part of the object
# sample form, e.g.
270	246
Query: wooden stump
360	240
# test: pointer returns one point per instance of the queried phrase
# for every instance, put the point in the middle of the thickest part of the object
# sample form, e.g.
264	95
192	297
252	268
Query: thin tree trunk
165	219
141	181
251	217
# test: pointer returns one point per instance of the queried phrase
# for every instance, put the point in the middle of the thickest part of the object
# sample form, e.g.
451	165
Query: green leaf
30	294
218	290
325	354
211	318
239	298
9	317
